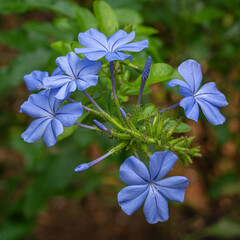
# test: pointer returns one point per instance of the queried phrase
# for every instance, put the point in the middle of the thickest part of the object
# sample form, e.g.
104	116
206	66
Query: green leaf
183	127
68	131
145	31
63	46
13	75
85	19
106	18
147	110
128	16
208	14
224	229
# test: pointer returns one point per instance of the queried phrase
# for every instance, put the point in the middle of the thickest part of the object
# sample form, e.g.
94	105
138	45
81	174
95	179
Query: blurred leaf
183	127
106	18
85	19
208	14
128	16
13	75
68	131
62	46
145	31
83	137
223	185
224	229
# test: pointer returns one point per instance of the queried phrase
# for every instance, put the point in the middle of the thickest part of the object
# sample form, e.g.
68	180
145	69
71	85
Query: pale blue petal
119	39
54	128
34	80
70	64
86	81
68	114
209	92
132	197
134	46
160	164
44	92
57	71
93	39
65	91
190	107
92	54
172	188
111	56
35	130
156	207
134	172
54	103
184	89
192	74
88	67
211	112
56	81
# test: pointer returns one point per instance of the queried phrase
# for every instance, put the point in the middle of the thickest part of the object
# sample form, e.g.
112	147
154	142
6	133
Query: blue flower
50	118
78	74
34	80
150	186
208	96
97	45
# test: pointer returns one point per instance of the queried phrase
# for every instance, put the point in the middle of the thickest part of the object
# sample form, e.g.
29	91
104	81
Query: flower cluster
72	73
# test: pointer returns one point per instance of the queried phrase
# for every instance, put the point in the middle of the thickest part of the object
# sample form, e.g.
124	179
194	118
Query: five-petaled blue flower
77	74
208	96
97	45
50	118
150	186
34	80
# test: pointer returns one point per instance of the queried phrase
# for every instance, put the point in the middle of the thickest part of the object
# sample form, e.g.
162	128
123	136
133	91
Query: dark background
41	196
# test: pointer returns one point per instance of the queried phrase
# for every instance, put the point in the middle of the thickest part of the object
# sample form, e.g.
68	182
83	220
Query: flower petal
56	81
160	164
88	67
65	91
156	207
132	197
184	89
68	114
111	56
192	74
134	172
209	92
57	71
84	82
34	80
54	128
133	47
211	112
35	130
119	39
54	103
70	64
93	39
92	54
190	107
172	188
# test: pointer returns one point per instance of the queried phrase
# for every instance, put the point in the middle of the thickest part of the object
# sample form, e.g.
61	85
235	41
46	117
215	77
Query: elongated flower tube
50	118
97	45
207	97
78	74
150	187
102	127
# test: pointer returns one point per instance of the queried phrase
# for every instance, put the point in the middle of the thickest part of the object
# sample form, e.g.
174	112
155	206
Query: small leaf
182	127
128	16
106	18
147	110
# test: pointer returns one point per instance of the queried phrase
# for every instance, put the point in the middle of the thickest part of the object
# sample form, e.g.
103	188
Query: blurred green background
40	195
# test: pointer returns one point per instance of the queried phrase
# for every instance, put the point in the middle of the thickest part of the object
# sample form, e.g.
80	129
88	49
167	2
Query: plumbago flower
76	74
208	96
50	117
34	80
150	186
97	45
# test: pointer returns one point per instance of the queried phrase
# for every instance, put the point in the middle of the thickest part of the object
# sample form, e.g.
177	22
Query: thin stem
84	107
136	155
93	102
71	100
112	79
84	126
171	107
